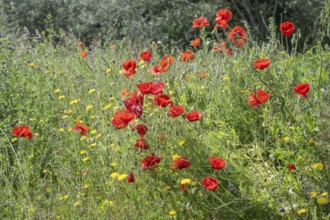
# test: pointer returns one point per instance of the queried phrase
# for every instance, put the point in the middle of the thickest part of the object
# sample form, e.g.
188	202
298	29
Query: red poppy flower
193	116
151	87
124	92
287	28
224	14
180	163
222	46
162	66
166	62
83	54
238	36
261	63
217	163
175	111
22	131
145	88
134	103
302	89
150	161
168	59
79	127
221	23
258	98
80	44
141	144
200	22
162	100
291	167
183	187
196	42
130	178
187	55
145	55
157	88
122	118
141	129
129	68
139	98
210	183
222	18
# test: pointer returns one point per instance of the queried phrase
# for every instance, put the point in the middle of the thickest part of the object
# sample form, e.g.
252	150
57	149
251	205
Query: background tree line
162	20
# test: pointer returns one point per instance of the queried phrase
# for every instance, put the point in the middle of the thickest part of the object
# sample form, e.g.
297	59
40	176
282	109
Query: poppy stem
266	84
12	148
290	113
285	106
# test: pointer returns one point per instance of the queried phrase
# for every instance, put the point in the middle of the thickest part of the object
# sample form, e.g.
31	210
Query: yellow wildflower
13	140
93	132
91	91
78	203
324	194
286	139
226	78
86	186
186	181
313	194
175	156
45	171
61	97
172	212
89	107
171	92
61	129
113	164
85	159
109	70
76	101
106	107
30	65
122	177
68	111
63	197
182	142
322	200
318	166
82	152
301	211
114	175
98	136
92	145
57	91
83	138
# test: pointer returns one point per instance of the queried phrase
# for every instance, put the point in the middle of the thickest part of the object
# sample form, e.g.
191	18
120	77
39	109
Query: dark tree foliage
162	20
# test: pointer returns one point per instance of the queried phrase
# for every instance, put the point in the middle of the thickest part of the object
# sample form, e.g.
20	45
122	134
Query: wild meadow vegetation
227	129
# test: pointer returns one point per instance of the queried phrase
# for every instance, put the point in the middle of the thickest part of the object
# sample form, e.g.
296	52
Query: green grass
44	178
